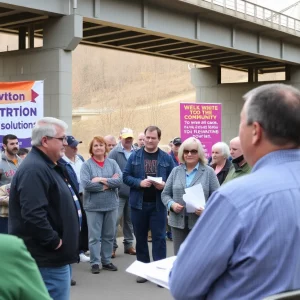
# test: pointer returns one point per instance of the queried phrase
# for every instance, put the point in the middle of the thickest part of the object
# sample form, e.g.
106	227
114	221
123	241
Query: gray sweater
118	155
95	198
7	169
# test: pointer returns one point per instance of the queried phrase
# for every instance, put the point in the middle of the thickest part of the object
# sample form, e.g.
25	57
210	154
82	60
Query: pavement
110	285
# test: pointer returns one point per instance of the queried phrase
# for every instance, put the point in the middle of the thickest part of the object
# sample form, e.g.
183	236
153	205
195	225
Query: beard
13	151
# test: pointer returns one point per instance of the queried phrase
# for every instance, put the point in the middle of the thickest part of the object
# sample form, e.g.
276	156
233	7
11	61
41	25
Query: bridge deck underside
101	35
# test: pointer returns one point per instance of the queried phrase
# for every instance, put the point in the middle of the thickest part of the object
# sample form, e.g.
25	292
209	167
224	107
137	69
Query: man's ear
257	132
44	141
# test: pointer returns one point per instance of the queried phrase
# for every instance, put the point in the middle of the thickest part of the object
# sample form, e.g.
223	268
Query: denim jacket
134	173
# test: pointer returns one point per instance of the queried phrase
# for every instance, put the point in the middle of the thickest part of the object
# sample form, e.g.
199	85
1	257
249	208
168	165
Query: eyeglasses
193	152
62	139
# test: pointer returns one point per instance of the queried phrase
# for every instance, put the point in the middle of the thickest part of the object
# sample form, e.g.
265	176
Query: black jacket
42	211
223	173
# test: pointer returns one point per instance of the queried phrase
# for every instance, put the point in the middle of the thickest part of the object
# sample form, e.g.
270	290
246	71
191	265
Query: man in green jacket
239	165
21	278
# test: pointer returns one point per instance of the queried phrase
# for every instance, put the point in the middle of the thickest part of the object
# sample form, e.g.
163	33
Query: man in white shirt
75	160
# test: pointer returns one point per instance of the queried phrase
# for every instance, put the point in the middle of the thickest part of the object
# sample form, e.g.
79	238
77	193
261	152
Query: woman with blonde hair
101	177
192	171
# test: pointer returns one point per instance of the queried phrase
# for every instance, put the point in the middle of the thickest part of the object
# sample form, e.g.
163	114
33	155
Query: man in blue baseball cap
72	142
75	161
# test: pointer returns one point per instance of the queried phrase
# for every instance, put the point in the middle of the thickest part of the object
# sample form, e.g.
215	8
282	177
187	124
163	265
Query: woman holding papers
192	172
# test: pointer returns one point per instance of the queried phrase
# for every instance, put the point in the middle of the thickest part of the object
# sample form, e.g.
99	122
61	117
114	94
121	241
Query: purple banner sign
202	121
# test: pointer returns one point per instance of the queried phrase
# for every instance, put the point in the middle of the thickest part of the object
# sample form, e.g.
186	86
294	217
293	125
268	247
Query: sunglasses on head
193	152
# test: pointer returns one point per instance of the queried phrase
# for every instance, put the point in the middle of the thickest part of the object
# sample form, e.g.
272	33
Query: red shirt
99	163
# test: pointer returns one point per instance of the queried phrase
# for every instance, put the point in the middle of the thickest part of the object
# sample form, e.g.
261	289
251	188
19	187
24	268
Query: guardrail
252	12
90	112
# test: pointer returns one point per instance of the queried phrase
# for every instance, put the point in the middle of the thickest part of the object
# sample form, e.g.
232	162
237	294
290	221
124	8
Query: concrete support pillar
294	76
31	36
22	38
230	95
252	75
54	66
63	32
204	79
208	90
52	63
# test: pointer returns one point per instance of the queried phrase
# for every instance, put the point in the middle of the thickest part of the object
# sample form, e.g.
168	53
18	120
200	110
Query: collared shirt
190	176
246	243
127	153
188	180
77	167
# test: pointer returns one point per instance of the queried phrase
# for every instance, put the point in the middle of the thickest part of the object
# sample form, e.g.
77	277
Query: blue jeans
142	220
3	225
124	210
102	227
57	281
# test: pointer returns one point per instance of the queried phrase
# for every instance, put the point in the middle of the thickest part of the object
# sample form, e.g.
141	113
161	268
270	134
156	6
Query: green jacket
20	277
237	172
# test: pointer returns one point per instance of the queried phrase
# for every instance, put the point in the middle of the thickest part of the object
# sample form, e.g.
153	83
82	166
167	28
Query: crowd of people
66	209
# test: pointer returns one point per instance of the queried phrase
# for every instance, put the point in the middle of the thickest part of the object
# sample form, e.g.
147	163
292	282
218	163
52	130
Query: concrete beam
63	32
176	20
59	7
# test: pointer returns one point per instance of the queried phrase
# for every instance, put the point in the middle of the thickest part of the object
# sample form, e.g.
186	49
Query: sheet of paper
155	179
194	198
157	271
137	268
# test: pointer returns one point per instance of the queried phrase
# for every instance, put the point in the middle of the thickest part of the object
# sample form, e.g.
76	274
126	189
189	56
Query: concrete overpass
233	34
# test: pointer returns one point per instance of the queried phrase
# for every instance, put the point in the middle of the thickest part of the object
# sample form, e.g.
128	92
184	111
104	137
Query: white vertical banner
21	105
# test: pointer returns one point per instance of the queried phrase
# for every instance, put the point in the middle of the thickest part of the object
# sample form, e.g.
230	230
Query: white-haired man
111	142
44	208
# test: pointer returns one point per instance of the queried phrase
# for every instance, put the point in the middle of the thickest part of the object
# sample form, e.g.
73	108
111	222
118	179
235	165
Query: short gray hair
276	107
188	142
223	147
46	127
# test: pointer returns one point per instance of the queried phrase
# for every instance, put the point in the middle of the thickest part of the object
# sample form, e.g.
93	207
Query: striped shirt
246	243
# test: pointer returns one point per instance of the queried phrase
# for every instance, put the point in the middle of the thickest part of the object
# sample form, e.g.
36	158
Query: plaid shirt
4	198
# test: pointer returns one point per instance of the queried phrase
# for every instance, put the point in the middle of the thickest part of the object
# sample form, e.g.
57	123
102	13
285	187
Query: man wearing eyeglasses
44	208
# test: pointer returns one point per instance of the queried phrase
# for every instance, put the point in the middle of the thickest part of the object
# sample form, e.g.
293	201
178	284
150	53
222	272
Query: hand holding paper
194	198
155	179
198	212
145	183
157	182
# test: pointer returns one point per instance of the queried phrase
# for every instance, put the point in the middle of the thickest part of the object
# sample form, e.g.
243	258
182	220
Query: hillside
129	90
133	91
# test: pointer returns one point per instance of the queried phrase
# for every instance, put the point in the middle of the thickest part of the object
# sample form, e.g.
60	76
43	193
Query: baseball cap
72	142
177	141
126	133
